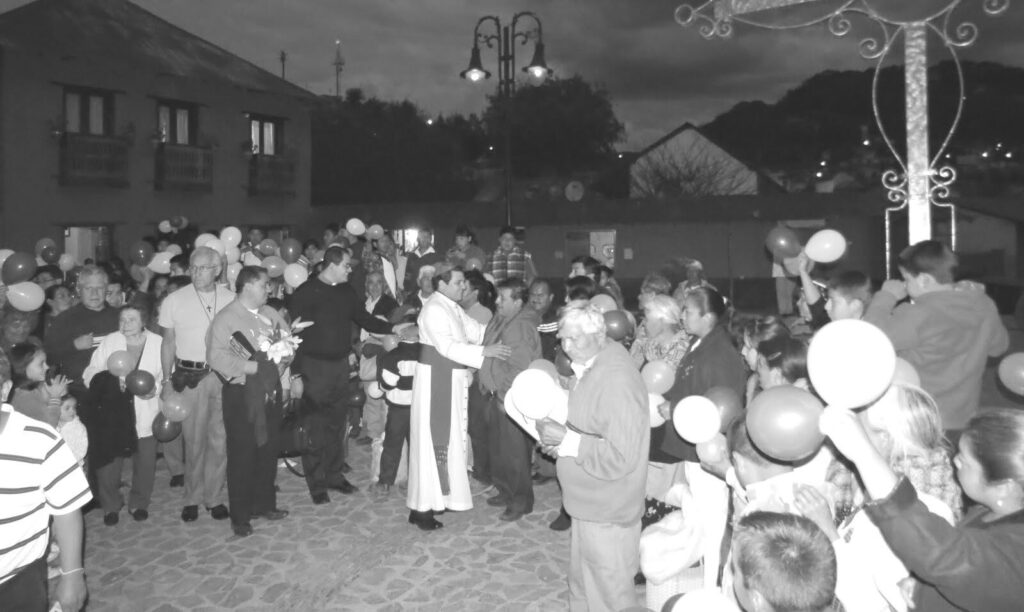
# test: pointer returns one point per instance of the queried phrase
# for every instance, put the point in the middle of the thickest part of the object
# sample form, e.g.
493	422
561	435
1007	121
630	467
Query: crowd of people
915	501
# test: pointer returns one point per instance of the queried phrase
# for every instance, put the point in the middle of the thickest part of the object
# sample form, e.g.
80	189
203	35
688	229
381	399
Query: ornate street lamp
504	40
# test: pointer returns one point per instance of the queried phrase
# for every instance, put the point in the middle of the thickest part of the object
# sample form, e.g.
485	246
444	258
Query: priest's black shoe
242	529
424	520
190	513
219	512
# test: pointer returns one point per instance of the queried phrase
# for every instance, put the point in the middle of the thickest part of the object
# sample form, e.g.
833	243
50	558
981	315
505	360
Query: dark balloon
291	250
617	325
267	247
783	242
356	397
18	268
141	253
783	423
728	401
49	254
140	382
120	363
164	429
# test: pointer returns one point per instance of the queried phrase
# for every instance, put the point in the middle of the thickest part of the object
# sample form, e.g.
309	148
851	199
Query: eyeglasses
205	268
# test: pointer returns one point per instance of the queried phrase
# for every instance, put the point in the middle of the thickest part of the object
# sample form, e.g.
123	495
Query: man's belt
193	365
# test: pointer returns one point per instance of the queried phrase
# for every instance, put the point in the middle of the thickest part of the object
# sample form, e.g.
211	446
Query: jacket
518	332
948	336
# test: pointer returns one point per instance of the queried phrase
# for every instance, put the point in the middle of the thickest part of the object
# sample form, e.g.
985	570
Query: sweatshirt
605	482
332	309
70	324
948	336
520	333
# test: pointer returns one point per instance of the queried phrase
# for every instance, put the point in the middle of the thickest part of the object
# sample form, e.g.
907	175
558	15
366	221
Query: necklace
210	309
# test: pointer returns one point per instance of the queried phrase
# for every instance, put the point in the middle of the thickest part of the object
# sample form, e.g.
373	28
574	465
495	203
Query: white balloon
826	246
696	419
373	390
251	259
655	400
231	236
233	270
202	239
232	254
708	599
173	249
532	392
66	262
161	263
216	244
295	274
355	227
851	363
165	227
905	373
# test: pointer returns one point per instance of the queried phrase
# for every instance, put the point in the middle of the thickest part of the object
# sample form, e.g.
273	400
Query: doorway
599	244
89	242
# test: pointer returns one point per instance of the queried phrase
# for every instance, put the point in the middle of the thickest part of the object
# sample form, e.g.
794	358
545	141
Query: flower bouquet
280	344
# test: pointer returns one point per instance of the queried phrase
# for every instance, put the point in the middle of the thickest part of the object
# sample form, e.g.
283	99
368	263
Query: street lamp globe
476	71
538	68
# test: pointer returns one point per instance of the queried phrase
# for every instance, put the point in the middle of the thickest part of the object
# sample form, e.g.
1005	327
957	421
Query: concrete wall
36	205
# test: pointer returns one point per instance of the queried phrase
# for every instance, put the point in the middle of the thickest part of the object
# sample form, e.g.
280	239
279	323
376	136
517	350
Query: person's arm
810	290
66	489
98	360
364	319
436	328
530	271
219	354
524	341
68	532
168	350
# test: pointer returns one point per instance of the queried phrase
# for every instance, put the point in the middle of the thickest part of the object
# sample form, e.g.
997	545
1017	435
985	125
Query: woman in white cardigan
108	397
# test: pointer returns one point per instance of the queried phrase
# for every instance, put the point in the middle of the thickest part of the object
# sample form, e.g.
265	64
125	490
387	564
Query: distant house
112	119
686	163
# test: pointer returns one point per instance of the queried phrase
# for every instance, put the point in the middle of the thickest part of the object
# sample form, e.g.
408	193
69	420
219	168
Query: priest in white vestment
438	440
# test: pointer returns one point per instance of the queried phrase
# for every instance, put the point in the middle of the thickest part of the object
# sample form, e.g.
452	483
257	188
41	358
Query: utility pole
339	65
284	58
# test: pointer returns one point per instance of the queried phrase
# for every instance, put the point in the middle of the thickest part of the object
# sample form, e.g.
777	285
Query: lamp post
504	39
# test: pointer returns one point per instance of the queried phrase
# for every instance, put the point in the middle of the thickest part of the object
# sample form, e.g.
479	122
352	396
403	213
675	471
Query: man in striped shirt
39	480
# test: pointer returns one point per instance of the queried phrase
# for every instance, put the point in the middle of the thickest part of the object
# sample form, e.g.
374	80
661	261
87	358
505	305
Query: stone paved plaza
352	554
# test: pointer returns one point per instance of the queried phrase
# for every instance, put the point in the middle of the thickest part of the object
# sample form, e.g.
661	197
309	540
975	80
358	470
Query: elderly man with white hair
75	332
602	462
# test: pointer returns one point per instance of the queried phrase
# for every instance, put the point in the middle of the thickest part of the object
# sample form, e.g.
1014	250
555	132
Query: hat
694	264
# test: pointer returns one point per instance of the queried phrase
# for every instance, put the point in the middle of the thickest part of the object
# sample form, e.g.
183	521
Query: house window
266	133
88	111
176	122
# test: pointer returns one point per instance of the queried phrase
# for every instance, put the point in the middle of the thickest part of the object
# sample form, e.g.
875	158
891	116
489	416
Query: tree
370	150
689	166
559	126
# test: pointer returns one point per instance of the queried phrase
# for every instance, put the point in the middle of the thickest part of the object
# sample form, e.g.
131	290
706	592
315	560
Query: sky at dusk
657	73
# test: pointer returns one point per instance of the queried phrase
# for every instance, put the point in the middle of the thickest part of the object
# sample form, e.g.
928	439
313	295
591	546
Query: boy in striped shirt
40	479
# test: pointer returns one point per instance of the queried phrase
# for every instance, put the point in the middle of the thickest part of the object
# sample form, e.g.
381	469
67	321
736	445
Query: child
947	331
70	428
782	361
395	375
782	562
849	295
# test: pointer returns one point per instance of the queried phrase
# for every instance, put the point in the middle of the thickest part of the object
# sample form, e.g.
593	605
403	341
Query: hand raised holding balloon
498	351
551	432
847	434
83	342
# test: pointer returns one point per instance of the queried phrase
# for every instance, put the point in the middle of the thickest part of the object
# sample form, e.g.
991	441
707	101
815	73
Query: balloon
173	249
373	390
374	232
26	296
474	263
178	222
203	238
40	261
906	373
216	244
275	266
291	250
232	254
66	263
356	397
164	227
18	268
140	382
233	270
562	362
43	243
164	429
532	393
826	246
174	407
545	366
141	253
851	363
658	376
294	274
728	402
267	247
389	342
231	236
355	227
50	255
714	451
604	303
654	402
161	263
783	423
617	325
4	254
120	363
782	242
696	419
708	599
251	259
1011	372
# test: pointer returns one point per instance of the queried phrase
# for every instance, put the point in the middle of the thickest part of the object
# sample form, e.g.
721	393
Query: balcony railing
87	159
271	175
183	168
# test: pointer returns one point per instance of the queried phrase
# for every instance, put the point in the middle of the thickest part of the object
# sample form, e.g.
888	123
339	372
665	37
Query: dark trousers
26	591
326	411
396	433
511	458
479	436
251	468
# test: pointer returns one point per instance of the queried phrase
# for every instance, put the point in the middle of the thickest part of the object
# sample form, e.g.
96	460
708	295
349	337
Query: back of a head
580	288
656	283
911	419
787	354
930	257
787	559
739	443
852	285
590	265
996	438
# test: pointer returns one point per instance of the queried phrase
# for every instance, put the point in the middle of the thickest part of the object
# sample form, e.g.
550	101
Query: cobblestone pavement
352	554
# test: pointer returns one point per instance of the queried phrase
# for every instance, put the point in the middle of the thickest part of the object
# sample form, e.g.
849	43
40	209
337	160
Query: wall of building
36	205
700	166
